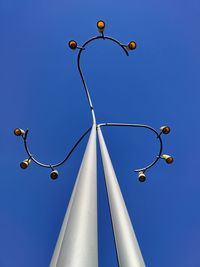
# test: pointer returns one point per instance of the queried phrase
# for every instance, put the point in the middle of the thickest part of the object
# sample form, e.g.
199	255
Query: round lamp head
101	25
169	159
165	129
141	177
24	164
132	45
19	132
54	174
72	44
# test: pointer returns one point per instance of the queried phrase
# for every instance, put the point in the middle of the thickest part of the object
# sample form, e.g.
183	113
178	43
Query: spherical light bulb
54	174
24	164
72	44
101	25
132	45
169	159
165	129
141	176
19	132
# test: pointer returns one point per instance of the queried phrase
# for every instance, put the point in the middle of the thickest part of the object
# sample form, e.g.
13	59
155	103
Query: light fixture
54	174
165	129
101	26
132	45
19	132
24	164
72	44
168	158
141	176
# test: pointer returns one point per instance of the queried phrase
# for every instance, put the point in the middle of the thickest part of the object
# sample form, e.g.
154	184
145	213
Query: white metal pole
128	251
77	244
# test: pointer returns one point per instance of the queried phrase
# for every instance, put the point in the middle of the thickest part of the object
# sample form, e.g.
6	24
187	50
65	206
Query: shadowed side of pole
77	242
128	251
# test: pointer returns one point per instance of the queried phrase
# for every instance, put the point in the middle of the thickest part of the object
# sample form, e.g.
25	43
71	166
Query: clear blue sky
41	90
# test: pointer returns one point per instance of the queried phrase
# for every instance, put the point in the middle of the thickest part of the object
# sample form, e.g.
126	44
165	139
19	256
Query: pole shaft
77	243
128	251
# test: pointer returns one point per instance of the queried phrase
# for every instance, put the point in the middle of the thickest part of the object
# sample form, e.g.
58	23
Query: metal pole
128	251
77	241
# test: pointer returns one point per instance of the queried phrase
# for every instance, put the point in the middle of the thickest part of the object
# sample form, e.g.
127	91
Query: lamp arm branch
82	48
52	166
158	135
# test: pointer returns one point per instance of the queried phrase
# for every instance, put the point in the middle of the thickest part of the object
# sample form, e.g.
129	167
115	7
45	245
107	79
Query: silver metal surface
77	241
128	251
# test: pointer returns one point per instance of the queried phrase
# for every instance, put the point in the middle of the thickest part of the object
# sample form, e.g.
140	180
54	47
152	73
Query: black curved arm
57	164
158	135
125	48
25	135
81	72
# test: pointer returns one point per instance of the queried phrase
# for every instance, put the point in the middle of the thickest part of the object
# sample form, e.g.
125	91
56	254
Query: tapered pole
128	251
77	242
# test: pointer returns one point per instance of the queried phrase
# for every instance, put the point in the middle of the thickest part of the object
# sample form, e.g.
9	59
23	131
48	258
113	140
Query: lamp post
77	244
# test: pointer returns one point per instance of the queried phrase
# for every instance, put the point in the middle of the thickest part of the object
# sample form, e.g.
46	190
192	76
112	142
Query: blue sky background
41	90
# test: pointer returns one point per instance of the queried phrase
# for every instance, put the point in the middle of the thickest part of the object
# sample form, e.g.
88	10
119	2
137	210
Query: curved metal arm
158	135
81	72
88	98
52	165
73	45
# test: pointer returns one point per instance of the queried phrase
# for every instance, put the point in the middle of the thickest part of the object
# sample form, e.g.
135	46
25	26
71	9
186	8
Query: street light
165	129
141	176
25	163
131	45
72	44
77	242
54	174
168	158
19	132
101	26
